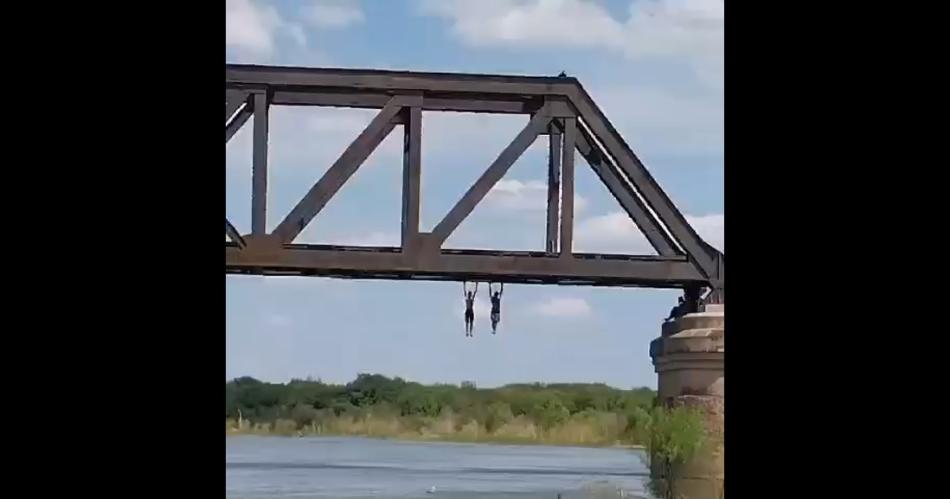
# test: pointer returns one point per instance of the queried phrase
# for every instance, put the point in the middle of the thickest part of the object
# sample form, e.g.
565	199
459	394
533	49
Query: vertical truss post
259	168
554	187
567	187
411	173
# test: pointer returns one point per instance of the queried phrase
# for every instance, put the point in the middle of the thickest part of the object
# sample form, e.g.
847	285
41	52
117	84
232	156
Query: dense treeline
374	405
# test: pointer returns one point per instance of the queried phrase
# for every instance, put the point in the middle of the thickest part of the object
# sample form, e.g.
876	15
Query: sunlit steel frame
558	107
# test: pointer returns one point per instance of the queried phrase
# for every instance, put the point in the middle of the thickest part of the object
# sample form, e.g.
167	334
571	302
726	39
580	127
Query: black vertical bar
259	168
554	186
567	187
411	173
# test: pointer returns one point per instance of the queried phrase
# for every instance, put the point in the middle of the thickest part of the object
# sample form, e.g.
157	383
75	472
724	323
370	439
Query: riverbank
441	438
447	429
587	415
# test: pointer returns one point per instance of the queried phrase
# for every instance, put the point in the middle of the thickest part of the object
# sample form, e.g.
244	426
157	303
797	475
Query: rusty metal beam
492	175
276	78
567	187
239	120
554	187
234	100
522	267
411	174
259	167
433	102
344	168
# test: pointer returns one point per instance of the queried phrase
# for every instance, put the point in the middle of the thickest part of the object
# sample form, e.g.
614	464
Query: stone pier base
688	357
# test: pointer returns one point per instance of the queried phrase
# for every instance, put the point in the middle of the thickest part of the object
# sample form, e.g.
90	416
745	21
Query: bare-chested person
469	308
495	297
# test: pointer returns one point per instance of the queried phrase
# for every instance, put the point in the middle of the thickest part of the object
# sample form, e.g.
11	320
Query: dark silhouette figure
495	297
469	310
688	304
677	310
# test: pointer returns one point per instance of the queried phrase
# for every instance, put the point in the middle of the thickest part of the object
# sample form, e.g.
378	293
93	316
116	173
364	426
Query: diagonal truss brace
625	194
234	122
632	169
538	123
235	99
344	168
233	234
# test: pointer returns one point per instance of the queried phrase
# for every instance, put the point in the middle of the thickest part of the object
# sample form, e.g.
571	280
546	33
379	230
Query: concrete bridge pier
689	358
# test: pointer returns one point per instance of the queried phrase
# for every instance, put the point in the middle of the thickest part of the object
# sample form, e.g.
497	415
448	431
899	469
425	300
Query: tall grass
589	428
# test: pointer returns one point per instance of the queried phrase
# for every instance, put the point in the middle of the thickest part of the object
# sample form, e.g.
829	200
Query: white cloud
687	29
616	232
667	120
530	195
333	13
538	22
563	308
252	27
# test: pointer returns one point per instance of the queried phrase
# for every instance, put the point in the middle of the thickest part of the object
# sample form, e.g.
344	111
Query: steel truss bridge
557	107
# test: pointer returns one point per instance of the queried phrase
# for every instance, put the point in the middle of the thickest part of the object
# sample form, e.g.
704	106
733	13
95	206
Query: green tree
674	436
551	412
413	406
303	415
498	413
418	402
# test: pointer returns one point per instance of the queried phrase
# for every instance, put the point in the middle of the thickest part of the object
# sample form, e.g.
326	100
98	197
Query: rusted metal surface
259	166
554	188
461	265
567	187
239	120
411	174
558	107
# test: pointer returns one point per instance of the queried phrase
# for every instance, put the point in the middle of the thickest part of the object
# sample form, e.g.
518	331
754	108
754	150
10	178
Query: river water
300	468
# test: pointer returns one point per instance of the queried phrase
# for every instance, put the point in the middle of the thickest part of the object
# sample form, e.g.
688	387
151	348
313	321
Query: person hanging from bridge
495	297
469	307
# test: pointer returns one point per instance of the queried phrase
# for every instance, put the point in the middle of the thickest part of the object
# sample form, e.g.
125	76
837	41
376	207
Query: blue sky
654	67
